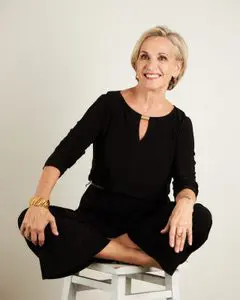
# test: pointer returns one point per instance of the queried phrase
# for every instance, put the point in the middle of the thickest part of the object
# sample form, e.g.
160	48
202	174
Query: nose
152	65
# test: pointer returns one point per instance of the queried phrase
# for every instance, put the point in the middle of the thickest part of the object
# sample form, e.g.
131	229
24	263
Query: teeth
152	76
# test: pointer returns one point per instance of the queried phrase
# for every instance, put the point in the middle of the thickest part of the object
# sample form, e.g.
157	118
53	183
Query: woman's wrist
186	195
39	201
186	200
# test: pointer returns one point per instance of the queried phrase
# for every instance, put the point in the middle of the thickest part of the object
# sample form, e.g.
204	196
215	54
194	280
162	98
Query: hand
34	223
180	224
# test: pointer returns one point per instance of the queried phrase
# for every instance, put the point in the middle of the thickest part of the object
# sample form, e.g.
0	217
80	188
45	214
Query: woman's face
156	63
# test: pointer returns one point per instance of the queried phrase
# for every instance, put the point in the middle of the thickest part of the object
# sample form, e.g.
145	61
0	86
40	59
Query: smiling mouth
152	76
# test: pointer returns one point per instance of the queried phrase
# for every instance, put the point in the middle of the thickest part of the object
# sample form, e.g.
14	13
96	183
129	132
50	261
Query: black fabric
102	215
121	162
147	236
135	176
114	214
72	250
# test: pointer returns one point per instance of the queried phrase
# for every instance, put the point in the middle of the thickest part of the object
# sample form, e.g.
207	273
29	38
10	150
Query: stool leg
69	291
172	283
121	286
128	286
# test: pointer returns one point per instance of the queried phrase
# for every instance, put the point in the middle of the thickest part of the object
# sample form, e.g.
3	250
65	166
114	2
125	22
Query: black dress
129	187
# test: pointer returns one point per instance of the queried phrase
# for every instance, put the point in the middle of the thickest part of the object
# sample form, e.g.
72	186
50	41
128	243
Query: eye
143	56
162	57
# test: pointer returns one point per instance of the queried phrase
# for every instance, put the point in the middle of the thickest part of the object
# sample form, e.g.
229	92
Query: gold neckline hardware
145	117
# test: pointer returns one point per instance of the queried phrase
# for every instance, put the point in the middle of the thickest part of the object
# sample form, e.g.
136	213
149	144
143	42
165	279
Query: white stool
117	281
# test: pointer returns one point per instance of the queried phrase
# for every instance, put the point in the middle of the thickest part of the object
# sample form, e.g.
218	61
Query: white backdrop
56	58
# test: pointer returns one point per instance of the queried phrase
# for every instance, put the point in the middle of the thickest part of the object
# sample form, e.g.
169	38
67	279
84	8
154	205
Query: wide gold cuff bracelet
39	201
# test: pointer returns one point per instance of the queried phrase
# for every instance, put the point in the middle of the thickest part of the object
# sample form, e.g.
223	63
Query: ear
177	68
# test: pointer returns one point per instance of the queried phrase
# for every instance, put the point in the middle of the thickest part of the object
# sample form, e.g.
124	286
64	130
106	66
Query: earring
136	77
172	83
173	80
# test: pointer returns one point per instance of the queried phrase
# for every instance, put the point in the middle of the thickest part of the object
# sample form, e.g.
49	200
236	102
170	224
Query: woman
140	142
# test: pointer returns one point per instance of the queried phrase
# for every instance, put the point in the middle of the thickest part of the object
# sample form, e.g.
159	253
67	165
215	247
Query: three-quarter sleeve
85	132
184	175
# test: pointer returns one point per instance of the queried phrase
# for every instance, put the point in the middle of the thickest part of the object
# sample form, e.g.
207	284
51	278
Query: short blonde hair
177	41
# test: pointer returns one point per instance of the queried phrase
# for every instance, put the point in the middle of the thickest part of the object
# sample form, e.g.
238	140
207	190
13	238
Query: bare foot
117	251
125	240
154	263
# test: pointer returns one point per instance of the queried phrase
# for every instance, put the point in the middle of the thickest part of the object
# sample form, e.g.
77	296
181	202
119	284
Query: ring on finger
179	234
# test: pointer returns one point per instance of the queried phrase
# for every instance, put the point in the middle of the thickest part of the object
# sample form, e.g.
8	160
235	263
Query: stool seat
117	279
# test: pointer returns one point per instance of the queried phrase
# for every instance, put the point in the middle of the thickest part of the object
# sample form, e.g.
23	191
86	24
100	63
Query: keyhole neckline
143	116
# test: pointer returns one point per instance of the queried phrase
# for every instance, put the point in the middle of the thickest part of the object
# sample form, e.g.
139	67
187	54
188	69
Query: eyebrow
158	52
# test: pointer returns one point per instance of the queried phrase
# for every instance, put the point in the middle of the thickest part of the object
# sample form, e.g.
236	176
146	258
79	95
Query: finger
41	238
178	239
190	237
172	234
27	233
165	229
23	227
179	230
34	237
54	226
183	239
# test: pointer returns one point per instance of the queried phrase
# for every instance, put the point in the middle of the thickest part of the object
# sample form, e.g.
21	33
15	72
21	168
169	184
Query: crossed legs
122	248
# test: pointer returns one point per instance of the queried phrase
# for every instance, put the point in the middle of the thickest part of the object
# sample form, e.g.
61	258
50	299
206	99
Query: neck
149	99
